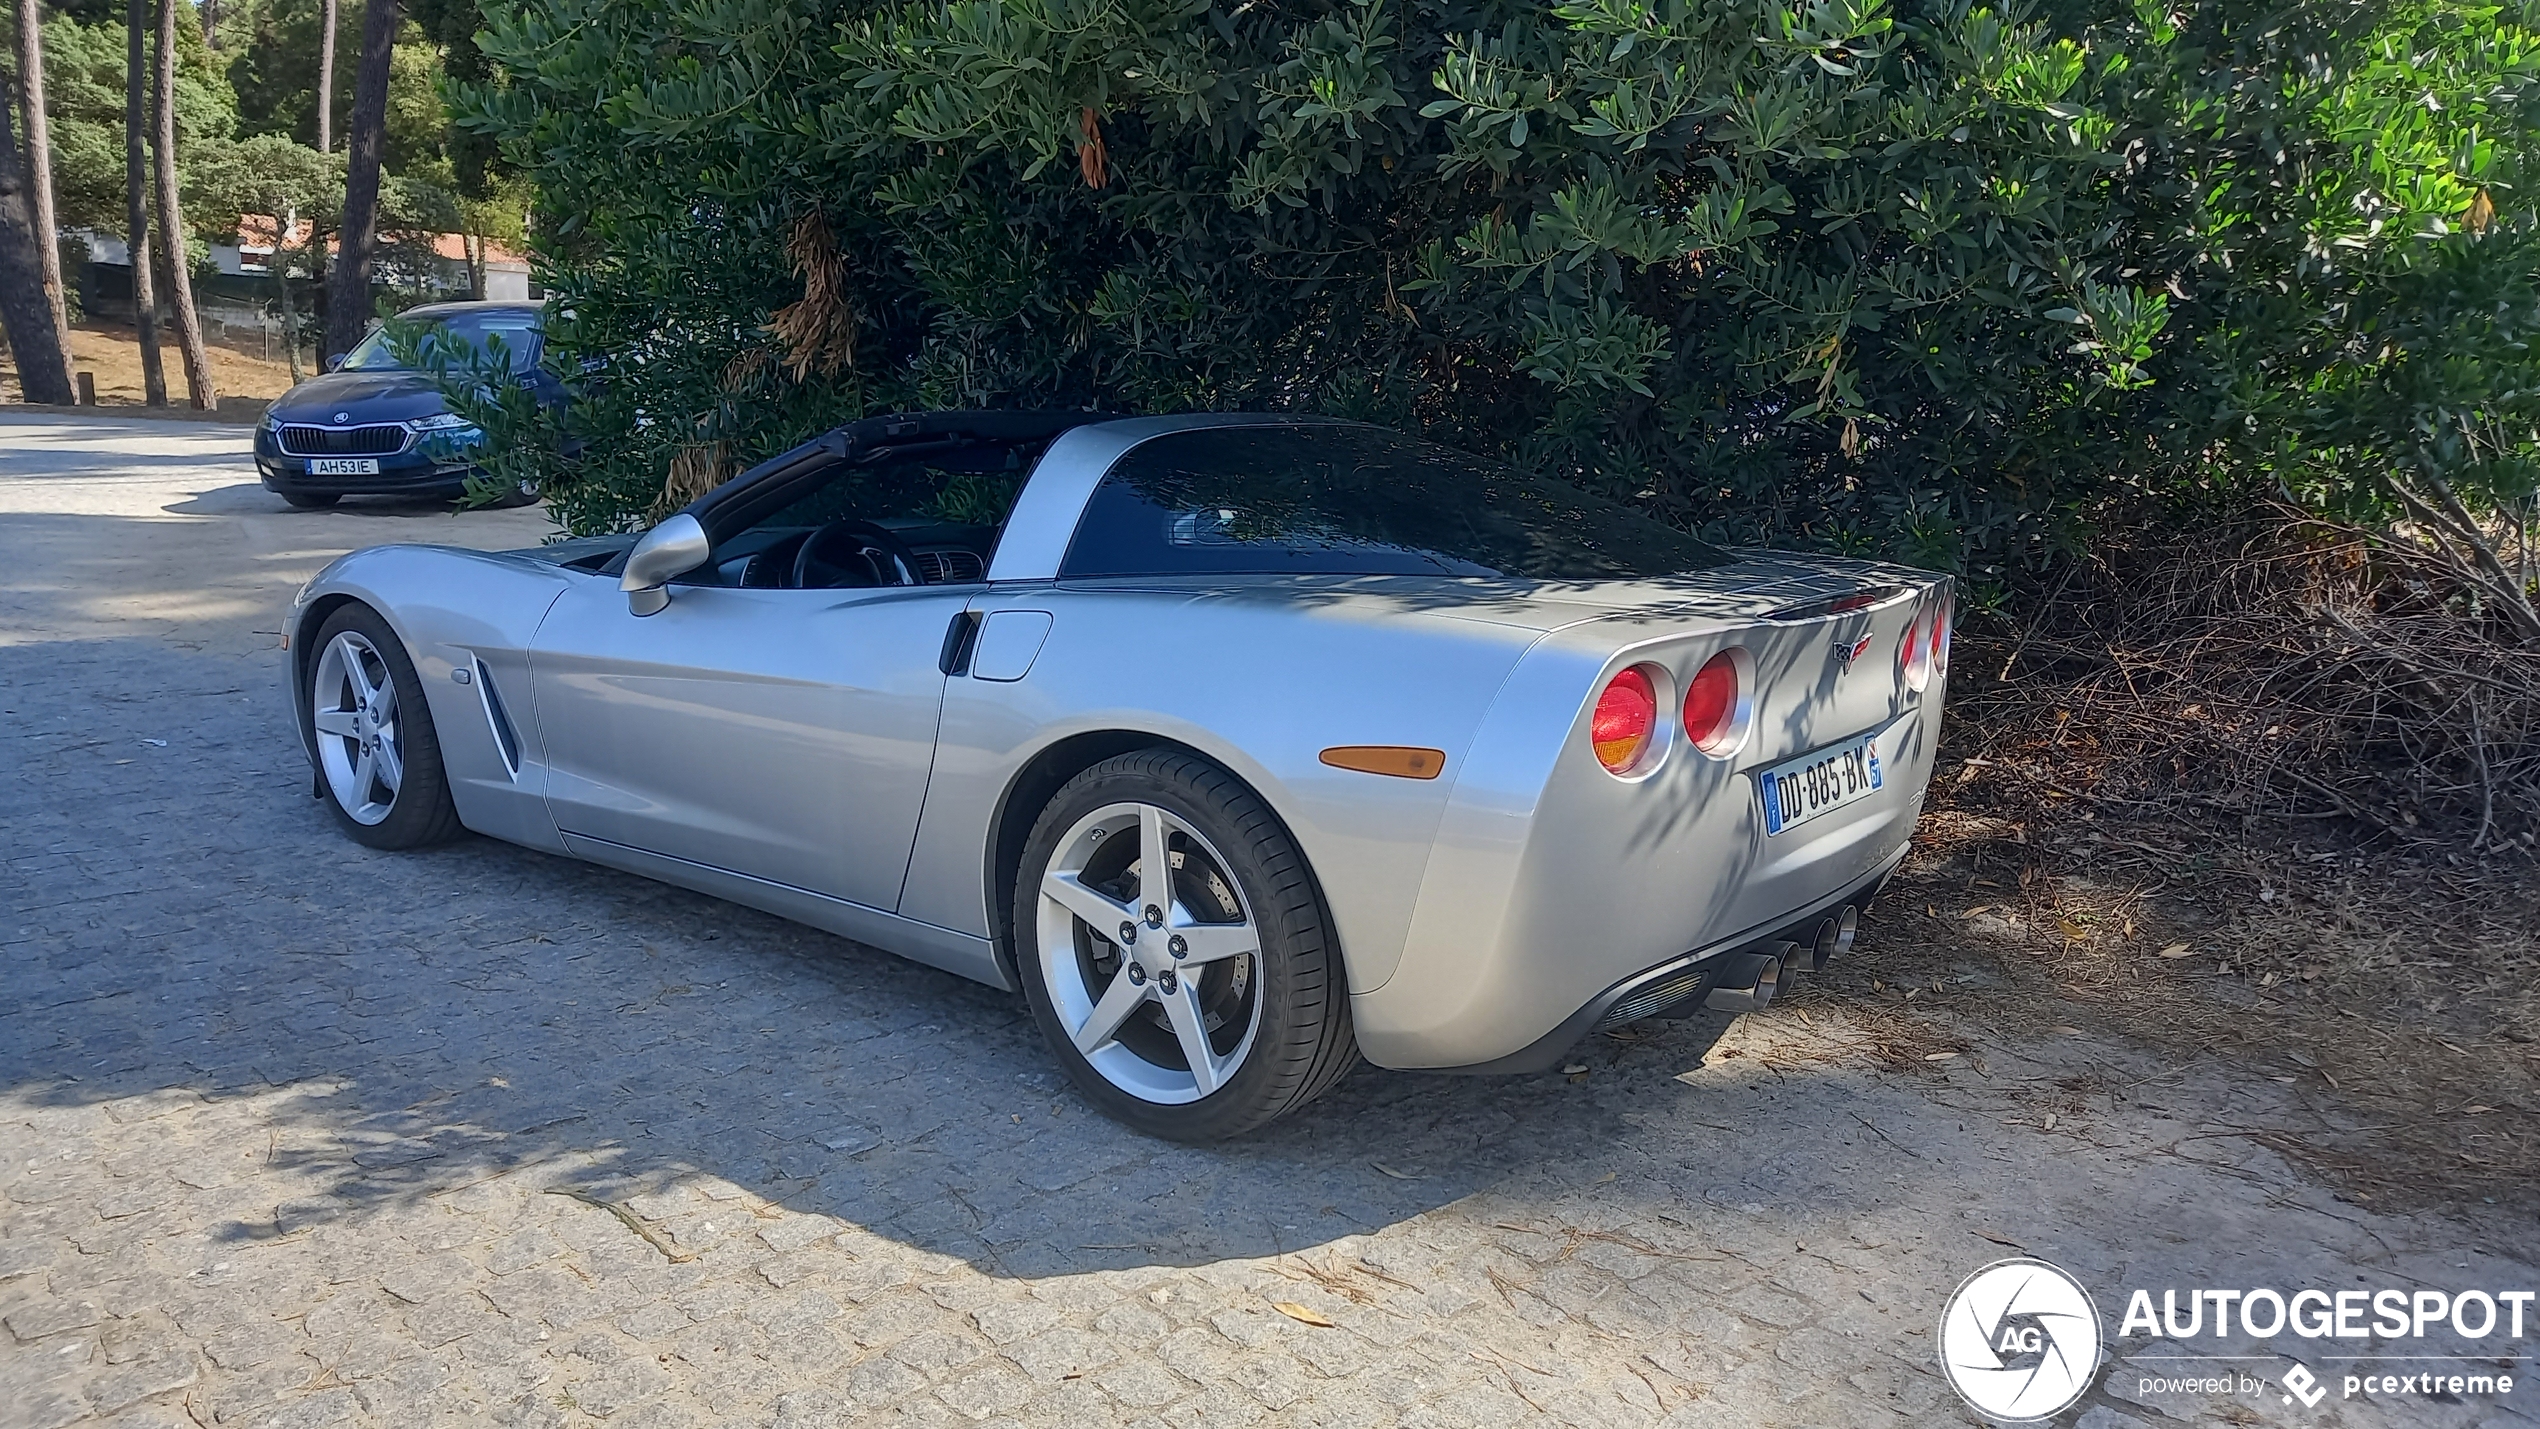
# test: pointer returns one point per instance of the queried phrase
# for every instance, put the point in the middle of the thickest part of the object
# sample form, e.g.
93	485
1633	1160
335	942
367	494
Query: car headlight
272	423
450	422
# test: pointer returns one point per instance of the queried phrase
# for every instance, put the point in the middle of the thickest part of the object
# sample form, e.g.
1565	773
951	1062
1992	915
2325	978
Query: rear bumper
1551	883
1680	983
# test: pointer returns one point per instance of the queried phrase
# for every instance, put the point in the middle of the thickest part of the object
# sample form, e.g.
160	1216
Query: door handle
960	638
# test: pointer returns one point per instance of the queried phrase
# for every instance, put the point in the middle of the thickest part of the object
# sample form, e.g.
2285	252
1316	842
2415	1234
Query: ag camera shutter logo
2020	1341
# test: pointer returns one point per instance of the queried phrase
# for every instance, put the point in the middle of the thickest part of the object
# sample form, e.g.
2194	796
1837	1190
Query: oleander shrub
1961	284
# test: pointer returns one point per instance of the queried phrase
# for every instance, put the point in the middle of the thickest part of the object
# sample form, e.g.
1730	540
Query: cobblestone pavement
293	1133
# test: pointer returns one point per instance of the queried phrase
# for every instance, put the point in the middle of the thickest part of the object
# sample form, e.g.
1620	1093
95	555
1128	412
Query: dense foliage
246	119
84	100
1910	275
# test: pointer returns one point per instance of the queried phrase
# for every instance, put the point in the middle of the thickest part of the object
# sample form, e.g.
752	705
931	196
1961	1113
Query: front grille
343	441
946	567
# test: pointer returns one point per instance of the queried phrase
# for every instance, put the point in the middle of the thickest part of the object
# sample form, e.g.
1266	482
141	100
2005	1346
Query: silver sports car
1241	746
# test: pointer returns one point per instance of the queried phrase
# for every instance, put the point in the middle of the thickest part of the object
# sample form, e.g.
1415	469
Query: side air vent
950	567
504	739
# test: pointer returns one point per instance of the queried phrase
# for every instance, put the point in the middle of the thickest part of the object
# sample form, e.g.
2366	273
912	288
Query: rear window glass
1351	500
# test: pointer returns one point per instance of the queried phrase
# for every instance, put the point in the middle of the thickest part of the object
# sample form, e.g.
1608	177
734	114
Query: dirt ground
2392	989
297	1132
113	353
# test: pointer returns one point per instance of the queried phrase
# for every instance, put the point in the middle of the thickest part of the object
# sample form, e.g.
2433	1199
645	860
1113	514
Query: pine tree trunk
189	324
281	265
136	179
476	267
348	288
39	166
326	77
34	340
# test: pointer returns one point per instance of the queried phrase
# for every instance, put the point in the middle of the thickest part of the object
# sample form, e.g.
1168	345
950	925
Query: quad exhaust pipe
1832	938
1747	982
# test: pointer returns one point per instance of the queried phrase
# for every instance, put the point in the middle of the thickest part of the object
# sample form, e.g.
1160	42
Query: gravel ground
296	1133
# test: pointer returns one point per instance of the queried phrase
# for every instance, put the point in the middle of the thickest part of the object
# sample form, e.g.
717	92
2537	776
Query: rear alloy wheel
1194	1006
376	750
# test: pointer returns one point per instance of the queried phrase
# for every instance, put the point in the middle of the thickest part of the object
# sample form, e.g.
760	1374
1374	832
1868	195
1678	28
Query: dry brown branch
817	333
695	469
2302	670
1093	160
2468	550
700	466
633	1222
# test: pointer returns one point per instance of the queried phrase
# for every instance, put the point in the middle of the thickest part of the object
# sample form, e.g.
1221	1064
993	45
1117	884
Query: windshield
461	336
1350	500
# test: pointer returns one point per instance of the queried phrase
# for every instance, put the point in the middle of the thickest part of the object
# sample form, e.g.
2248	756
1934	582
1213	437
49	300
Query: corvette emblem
1849	655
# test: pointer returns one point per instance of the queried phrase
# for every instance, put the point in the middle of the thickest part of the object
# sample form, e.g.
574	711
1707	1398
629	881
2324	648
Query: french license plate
1817	782
344	466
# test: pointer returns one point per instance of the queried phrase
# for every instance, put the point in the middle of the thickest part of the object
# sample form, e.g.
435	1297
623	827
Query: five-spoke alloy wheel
1195	1003
1158	985
376	752
356	722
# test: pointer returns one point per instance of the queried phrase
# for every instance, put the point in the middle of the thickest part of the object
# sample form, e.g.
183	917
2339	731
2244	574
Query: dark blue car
375	427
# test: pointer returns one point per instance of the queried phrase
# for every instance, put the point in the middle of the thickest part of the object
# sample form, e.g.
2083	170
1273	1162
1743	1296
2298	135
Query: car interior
932	521
910	522
848	552
908	499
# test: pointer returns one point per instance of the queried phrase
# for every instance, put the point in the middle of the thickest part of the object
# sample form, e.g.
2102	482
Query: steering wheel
854	553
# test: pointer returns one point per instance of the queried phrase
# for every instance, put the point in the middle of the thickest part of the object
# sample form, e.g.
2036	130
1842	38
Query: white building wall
103	247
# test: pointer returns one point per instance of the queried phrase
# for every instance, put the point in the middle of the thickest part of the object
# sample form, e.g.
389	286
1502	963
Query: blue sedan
373	426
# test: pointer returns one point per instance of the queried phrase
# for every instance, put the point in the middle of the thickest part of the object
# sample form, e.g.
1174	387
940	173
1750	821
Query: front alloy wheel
379	761
356	722
1176	952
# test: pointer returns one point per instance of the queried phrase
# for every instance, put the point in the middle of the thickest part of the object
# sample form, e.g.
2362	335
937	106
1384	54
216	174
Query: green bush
1947	282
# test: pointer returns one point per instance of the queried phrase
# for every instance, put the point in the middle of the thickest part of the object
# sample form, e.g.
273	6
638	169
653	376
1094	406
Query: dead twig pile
2303	671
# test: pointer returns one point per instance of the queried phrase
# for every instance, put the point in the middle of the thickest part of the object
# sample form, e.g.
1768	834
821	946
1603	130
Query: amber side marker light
1402	761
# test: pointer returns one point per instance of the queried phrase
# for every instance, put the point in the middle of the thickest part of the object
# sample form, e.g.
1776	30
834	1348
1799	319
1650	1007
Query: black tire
1303	1044
419	811
311	500
521	494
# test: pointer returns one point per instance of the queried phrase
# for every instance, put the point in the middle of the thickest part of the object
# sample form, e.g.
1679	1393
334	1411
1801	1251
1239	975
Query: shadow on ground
188	922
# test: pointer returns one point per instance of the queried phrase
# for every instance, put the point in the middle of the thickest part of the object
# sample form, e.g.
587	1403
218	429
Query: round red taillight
1625	722
1913	658
1711	705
